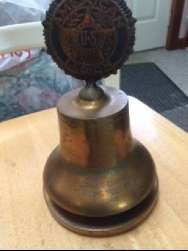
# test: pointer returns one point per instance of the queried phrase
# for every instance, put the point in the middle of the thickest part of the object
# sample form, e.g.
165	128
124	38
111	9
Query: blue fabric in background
32	86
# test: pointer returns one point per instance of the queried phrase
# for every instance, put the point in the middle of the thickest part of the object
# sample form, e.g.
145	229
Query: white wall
184	24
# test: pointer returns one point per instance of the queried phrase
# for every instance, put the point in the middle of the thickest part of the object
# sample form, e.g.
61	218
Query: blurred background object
29	80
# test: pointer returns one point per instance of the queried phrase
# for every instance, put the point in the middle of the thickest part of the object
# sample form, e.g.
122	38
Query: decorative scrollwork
89	39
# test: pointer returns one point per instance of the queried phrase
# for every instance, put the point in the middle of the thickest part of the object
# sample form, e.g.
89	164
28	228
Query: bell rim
124	222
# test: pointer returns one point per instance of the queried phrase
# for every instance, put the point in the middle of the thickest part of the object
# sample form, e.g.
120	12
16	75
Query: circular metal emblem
89	39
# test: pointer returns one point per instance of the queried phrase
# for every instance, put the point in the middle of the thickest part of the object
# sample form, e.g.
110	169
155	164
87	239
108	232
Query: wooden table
25	222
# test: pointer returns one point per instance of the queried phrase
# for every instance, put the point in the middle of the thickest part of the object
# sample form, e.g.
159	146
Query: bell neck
92	92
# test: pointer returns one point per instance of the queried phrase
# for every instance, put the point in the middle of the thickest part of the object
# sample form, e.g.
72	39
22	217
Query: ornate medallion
89	39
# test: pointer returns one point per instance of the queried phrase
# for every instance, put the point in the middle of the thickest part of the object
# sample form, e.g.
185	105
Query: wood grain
25	222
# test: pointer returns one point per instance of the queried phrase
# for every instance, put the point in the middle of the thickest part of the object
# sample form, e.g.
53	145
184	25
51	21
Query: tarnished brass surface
99	181
98	170
106	226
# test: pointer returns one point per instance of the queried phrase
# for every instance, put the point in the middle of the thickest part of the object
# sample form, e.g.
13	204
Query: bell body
99	171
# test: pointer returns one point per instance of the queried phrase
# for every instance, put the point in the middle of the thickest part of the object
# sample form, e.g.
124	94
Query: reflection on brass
99	181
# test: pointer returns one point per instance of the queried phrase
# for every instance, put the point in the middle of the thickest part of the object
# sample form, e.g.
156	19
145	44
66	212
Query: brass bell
99	181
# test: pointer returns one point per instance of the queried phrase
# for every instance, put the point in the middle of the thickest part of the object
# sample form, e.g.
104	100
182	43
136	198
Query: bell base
106	226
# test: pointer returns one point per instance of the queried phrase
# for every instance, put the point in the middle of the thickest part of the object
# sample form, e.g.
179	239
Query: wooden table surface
25	222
